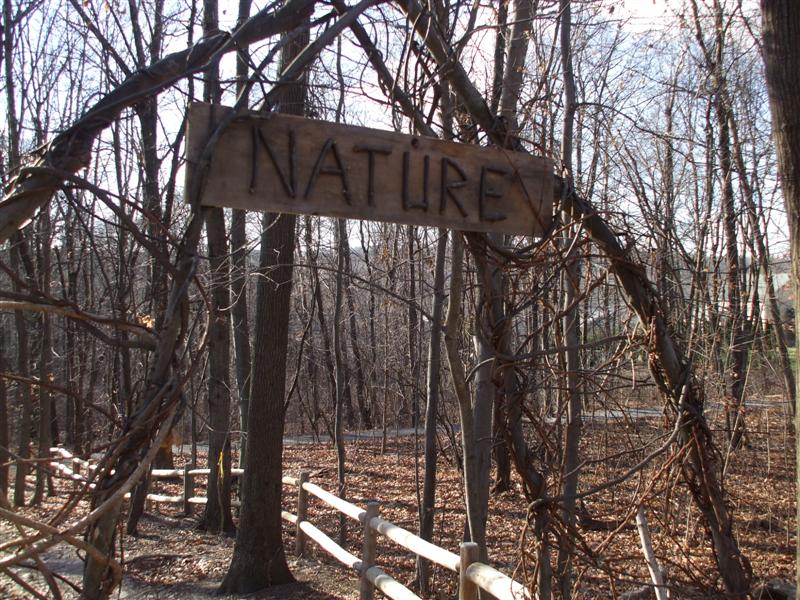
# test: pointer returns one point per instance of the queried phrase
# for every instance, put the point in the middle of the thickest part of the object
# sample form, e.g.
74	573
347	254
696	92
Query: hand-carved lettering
371	152
487	192
448	186
284	163
407	203
289	181
321	169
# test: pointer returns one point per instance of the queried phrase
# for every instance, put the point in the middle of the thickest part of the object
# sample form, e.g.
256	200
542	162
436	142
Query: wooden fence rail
473	575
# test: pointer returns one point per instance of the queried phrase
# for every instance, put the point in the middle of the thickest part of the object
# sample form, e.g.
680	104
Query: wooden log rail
473	575
73	468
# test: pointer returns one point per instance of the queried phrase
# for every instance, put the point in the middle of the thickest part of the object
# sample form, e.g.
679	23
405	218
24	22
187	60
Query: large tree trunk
781	29
258	556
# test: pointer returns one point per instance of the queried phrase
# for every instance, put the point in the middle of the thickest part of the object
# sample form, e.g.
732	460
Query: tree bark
341	373
258	559
217	516
43	480
241	328
780	26
239	312
362	396
413	327
23	391
475	421
432	408
571	290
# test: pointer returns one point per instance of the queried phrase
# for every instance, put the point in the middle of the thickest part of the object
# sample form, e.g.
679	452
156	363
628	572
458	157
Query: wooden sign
280	163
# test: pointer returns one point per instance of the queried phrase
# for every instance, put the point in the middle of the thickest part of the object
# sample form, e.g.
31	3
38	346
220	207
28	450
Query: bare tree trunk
258	557
571	287
217	516
413	326
371	383
23	391
327	349
241	329
43	479
780	30
362	396
18	244
341	373
475	421
432	408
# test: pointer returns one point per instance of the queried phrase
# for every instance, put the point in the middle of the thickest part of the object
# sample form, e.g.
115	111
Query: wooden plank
166	473
165	499
68	473
389	586
282	163
343	506
416	544
496	583
65	454
326	543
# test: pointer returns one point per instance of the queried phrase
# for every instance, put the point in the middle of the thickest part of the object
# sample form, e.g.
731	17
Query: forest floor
171	558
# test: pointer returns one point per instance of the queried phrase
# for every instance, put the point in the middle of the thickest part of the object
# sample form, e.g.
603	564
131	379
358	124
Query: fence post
61	459
302	510
368	550
466	589
188	489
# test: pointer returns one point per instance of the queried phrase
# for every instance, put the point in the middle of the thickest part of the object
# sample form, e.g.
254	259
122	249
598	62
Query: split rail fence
473	575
